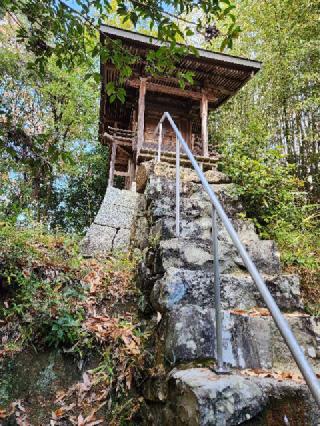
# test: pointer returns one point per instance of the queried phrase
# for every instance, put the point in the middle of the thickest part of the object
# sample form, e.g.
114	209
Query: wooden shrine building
129	128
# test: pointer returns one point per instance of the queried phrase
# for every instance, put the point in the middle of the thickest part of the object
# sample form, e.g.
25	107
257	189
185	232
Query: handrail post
159	142
220	368
177	188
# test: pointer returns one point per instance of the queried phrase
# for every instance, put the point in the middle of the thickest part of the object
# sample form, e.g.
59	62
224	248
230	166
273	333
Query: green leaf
96	76
110	88
121	94
112	98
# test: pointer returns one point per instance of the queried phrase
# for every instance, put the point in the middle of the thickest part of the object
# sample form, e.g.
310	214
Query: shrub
264	181
41	286
273	198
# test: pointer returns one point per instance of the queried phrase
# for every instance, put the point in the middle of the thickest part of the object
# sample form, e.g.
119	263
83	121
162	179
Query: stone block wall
113	226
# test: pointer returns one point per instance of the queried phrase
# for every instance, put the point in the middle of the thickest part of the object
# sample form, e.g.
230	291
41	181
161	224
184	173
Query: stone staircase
177	278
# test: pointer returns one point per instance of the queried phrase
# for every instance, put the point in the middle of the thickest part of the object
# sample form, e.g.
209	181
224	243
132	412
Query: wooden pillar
189	134
141	109
134	120
131	171
204	124
112	164
134	128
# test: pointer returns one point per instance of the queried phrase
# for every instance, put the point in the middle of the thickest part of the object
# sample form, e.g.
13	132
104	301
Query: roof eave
254	65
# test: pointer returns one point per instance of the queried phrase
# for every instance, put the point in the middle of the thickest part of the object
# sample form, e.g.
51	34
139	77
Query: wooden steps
170	157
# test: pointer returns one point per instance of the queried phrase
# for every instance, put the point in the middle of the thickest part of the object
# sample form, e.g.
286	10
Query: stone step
167	172
201	228
199	397
179	287
196	254
194	201
249	341
190	227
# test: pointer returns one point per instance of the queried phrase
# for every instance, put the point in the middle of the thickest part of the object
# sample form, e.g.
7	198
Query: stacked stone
178	278
113	225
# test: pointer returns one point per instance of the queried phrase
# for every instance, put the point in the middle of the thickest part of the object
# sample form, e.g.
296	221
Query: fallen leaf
59	412
238	312
60	396
86	380
278	375
80	420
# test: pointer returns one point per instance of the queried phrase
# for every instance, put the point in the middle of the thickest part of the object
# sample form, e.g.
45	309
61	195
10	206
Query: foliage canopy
69	31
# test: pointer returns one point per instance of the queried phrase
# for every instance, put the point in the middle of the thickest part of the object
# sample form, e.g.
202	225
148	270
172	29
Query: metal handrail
283	326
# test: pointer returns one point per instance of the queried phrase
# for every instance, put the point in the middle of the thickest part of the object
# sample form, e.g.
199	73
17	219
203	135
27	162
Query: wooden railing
120	139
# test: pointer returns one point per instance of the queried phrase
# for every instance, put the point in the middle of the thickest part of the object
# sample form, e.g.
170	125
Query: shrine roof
220	73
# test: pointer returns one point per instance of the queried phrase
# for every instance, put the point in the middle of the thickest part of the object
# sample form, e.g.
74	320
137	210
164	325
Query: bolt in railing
283	326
